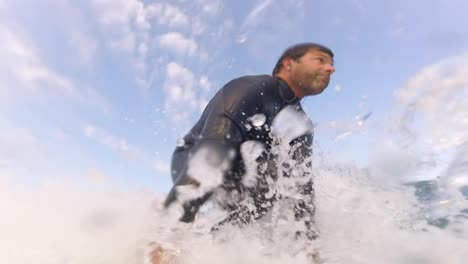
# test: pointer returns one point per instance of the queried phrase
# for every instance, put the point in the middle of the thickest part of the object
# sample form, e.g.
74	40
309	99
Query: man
227	123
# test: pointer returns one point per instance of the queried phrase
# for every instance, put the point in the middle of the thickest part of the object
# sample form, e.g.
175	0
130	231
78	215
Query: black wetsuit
224	125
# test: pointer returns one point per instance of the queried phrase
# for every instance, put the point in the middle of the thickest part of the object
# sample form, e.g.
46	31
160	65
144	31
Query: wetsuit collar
286	93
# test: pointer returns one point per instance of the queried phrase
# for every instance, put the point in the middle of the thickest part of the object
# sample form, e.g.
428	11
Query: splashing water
359	220
363	215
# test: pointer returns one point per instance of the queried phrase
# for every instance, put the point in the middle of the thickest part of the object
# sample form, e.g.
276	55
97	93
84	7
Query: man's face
311	73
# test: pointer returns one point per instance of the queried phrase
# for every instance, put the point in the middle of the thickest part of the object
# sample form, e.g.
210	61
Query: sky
100	91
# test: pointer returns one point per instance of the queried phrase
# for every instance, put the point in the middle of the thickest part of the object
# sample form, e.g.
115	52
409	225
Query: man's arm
222	134
304	209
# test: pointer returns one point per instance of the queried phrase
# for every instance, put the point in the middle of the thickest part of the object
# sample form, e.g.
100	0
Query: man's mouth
325	78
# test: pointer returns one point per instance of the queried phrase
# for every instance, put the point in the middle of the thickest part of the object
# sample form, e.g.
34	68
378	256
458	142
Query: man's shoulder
249	85
257	80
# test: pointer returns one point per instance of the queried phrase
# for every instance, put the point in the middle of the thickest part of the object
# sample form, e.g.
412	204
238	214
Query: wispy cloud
128	27
21	68
113	142
24	75
205	84
179	86
177	42
167	14
125	25
78	27
182	97
210	7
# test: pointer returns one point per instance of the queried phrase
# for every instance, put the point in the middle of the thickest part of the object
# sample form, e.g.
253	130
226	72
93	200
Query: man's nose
330	68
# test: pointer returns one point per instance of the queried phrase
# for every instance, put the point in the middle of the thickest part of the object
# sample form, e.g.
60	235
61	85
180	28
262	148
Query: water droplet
180	142
231	154
242	38
257	120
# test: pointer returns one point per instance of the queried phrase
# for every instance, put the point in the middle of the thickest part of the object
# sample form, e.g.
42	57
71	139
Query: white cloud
118	12
143	49
25	75
182	97
22	69
179	43
437	97
205	84
126	42
210	7
179	87
168	14
128	26
113	142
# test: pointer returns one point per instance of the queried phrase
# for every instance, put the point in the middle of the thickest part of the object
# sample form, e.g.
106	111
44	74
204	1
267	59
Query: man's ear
287	63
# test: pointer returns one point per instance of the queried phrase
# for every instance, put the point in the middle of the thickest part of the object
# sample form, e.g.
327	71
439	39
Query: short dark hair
297	51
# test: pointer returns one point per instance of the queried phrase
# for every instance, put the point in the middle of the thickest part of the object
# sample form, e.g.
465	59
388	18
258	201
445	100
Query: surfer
243	110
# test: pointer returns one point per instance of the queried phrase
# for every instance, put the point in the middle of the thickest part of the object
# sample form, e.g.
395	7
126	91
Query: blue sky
102	90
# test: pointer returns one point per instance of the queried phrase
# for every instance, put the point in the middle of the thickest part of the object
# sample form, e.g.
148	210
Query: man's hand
160	256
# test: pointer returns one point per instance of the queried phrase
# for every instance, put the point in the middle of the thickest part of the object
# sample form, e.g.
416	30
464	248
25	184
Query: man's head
306	68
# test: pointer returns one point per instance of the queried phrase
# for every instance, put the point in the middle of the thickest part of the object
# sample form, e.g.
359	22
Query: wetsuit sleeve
304	209
222	133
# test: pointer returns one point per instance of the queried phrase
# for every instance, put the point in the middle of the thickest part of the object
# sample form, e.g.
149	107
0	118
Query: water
409	205
360	221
